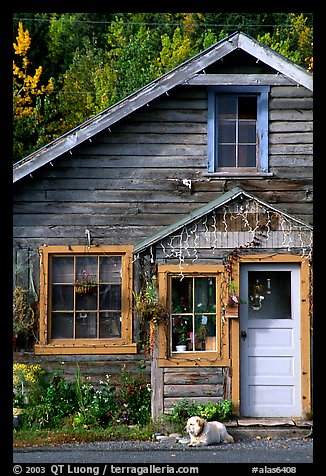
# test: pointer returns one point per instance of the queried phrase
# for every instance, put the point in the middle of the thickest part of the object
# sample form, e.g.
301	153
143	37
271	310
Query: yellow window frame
166	358
121	345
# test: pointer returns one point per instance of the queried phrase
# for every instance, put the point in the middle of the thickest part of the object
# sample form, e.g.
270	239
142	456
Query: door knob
243	334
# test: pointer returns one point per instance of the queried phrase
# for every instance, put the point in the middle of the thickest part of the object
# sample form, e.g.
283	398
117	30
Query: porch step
269	427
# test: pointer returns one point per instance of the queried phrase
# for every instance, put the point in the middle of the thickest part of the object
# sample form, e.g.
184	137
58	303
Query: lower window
85	298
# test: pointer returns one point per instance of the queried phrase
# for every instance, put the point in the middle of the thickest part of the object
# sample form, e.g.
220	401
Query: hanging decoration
244	224
87	284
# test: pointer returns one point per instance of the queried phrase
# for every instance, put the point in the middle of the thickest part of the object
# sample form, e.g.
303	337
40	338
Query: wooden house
201	181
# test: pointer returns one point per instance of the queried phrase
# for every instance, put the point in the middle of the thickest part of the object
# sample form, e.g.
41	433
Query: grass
69	434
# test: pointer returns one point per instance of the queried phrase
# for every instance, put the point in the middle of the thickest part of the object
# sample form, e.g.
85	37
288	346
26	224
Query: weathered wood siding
97	367
207	384
126	183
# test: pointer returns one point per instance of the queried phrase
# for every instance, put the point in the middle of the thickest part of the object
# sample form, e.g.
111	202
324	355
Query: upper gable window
238	130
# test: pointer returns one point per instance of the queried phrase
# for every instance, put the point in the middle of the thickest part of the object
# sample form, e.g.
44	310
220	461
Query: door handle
243	334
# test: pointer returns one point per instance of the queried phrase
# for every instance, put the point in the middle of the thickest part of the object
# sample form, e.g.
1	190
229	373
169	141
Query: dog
204	433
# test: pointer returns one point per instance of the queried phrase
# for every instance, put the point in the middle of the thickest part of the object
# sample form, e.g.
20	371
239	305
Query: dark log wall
127	183
203	385
97	367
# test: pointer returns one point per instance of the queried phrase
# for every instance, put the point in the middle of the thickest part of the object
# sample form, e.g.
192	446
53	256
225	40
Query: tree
296	43
27	93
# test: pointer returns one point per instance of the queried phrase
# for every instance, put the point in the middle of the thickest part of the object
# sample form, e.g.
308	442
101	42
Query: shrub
133	397
27	379
95	405
50	400
50	403
211	411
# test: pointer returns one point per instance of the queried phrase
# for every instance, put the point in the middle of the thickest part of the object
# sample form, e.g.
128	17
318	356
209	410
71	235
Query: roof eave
277	61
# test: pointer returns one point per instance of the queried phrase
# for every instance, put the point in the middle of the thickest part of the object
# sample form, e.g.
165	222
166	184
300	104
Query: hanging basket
85	288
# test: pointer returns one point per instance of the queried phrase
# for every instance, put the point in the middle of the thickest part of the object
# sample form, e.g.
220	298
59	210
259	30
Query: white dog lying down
203	433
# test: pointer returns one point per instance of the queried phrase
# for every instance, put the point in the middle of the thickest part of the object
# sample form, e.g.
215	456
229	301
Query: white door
270	340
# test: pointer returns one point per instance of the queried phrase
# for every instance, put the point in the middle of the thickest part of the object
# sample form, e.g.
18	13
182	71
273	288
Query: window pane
205	332
86	264
110	269
86	325
87	301
247	131
62	269
110	297
227	131
182	295
227	107
247	155
182	332
269	295
247	107
62	325
226	156
62	297
205	299
110	324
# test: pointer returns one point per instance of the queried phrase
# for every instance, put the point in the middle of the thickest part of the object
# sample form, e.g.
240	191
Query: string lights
245	225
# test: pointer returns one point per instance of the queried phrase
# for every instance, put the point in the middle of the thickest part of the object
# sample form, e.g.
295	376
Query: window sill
85	348
203	359
239	174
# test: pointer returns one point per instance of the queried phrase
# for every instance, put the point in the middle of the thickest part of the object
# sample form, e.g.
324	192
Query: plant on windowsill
232	298
181	334
86	285
202	336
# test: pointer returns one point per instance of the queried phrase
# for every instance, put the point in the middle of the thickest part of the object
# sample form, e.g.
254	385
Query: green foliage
296	44
96	405
48	402
215	411
133	397
211	411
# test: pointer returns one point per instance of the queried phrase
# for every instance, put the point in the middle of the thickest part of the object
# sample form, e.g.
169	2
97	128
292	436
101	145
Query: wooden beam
239	80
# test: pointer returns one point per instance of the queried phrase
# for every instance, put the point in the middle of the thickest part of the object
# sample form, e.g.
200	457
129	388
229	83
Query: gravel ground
244	443
245	450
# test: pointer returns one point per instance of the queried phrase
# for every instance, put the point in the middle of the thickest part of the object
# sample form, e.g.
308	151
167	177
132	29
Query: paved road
274	450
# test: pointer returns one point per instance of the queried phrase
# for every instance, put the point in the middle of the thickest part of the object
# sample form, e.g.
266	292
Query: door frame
305	325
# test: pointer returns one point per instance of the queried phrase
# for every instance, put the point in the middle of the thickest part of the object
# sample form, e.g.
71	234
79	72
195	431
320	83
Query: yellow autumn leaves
26	86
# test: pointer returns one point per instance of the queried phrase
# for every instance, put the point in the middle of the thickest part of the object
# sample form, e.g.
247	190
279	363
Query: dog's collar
201	430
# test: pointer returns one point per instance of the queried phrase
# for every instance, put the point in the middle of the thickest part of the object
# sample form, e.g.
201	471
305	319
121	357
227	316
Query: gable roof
156	88
207	208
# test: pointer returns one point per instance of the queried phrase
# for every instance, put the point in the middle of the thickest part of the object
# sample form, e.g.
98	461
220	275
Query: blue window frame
238	129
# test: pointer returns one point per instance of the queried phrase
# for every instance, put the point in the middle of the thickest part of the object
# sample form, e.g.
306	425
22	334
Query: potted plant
181	334
232	298
202	335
